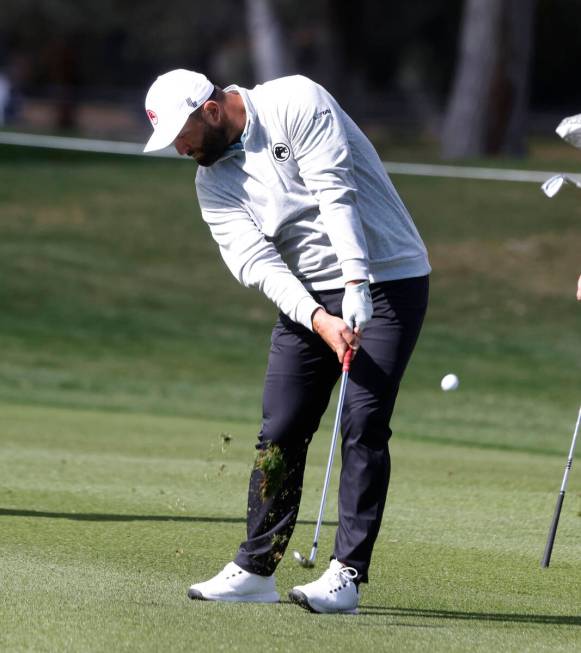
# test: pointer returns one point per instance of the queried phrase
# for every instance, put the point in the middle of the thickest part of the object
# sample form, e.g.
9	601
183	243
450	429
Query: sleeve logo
280	151
320	114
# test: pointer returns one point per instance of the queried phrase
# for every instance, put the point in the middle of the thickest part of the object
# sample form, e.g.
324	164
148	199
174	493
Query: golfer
301	208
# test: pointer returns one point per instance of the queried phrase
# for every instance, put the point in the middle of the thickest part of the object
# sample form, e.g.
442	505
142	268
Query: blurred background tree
271	54
480	74
487	111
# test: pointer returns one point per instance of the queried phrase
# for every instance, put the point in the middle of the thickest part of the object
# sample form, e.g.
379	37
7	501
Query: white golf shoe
237	585
334	591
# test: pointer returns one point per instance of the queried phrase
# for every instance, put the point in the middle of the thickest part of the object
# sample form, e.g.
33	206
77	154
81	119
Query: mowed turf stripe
453	592
452	597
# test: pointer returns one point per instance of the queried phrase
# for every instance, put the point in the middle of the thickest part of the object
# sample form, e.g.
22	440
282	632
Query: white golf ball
449	382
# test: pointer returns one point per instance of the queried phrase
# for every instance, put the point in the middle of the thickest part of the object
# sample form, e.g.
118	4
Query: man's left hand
357	305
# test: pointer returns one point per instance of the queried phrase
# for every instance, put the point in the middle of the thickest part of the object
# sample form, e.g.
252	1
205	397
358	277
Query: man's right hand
334	332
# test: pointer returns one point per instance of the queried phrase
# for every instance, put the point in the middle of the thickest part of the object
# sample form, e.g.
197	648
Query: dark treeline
437	64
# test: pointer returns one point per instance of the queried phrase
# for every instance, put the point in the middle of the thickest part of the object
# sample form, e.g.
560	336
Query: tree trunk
519	26
488	108
464	128
268	45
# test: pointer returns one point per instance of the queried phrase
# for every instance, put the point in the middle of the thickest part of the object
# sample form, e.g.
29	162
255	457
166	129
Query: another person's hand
334	332
579	289
357	305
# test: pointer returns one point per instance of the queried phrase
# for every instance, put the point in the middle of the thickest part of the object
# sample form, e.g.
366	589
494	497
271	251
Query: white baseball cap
169	102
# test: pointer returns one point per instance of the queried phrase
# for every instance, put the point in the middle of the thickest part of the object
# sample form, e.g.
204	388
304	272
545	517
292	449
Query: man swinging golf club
300	206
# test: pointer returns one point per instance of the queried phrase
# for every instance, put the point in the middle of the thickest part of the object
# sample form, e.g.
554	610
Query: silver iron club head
303	562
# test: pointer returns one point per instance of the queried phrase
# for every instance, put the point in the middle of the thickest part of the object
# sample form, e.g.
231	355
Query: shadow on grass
549	619
80	516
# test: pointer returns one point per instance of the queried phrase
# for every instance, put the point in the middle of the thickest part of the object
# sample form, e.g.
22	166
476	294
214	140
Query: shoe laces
342	576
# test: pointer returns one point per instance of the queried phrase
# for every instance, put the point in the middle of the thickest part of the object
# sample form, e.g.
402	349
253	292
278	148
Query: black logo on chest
280	151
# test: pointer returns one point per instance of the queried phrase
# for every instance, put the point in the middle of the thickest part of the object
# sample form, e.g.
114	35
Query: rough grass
128	353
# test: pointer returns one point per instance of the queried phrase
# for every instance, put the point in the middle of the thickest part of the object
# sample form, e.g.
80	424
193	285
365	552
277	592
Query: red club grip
347	360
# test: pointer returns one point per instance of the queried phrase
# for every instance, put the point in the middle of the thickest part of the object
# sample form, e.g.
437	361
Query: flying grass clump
270	462
225	440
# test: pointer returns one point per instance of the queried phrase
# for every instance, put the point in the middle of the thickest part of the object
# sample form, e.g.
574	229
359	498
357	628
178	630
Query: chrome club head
303	562
553	185
569	129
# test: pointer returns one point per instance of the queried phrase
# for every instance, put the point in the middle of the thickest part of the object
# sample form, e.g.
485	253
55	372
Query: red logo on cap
152	116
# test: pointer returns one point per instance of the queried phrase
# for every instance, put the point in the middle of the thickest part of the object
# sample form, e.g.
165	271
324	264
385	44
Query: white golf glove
357	305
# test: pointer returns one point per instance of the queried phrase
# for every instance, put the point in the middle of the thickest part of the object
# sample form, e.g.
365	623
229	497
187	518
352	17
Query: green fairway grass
130	389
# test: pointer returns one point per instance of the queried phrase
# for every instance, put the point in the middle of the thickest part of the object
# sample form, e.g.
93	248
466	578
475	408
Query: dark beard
214	144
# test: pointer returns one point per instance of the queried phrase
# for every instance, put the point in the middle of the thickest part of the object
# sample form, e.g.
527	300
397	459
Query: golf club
554	184
310	561
553	529
569	129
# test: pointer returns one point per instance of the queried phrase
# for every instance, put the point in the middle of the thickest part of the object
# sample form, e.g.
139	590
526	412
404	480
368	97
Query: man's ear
211	111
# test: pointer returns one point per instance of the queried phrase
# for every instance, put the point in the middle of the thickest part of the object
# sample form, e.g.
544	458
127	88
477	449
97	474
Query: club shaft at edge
555	521
336	427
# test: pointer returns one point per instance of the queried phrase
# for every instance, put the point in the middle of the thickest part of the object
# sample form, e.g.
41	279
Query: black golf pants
301	373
